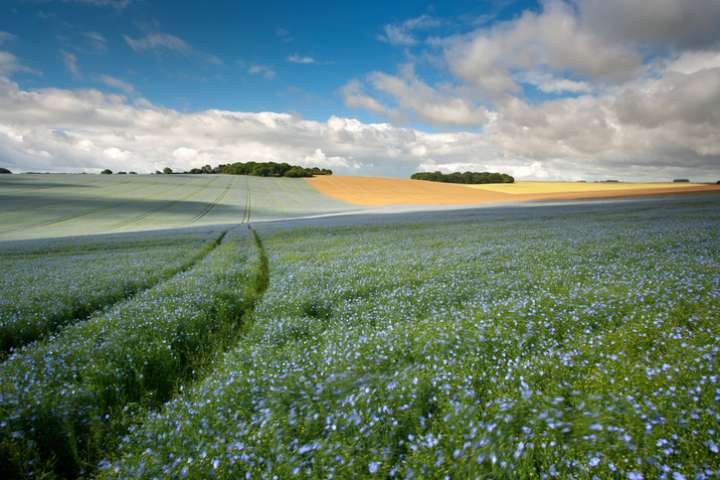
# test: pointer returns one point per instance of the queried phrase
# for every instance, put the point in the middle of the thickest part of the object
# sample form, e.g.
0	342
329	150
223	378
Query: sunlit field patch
378	191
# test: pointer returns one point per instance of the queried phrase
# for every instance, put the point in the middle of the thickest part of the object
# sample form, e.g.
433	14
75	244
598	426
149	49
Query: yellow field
573	187
379	191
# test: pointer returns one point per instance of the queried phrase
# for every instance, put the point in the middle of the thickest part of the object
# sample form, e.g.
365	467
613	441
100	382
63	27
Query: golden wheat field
379	191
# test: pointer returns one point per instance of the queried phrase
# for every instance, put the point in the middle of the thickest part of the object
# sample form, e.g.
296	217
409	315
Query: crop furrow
22	331
67	400
159	208
211	205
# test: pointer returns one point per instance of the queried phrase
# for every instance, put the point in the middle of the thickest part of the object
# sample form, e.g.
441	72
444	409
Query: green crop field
549	341
52	205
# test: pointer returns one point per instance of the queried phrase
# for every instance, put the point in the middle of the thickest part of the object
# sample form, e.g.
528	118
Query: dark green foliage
167	170
107	171
464	177
263	169
681	180
4	170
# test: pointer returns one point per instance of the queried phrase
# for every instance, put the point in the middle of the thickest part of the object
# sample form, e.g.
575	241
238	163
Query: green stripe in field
54	205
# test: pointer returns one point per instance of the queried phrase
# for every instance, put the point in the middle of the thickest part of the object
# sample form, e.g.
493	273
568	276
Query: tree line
263	169
464	177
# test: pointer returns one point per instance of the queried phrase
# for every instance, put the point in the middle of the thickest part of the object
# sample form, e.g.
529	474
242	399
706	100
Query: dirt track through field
378	191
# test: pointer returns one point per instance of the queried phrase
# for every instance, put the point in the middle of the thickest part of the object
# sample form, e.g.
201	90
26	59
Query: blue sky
228	39
546	89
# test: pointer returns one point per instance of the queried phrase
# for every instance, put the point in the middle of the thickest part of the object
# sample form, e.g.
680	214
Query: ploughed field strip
47	285
66	400
378	191
556	342
55	205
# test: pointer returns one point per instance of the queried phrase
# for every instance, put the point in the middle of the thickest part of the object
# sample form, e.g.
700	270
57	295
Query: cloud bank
594	87
87	130
560	93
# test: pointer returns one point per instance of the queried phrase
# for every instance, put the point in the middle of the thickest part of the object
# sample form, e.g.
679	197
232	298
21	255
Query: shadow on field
31	184
37	210
190	216
80	205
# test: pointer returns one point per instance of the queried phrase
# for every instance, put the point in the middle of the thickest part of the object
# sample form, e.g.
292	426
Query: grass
558	343
56	205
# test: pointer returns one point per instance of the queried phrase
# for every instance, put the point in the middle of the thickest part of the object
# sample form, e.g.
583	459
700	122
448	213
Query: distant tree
681	180
465	177
158	172
262	169
4	170
121	173
132	173
167	170
107	171
296	172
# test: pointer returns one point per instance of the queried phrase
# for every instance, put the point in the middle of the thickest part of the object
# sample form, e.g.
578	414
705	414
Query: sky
556	89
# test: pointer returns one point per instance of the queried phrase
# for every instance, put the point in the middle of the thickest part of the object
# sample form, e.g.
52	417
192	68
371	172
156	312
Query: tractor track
168	204
214	203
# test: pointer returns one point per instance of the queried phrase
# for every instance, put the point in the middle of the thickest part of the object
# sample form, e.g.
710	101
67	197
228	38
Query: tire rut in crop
9	342
73	443
211	205
167	204
247	208
262	276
